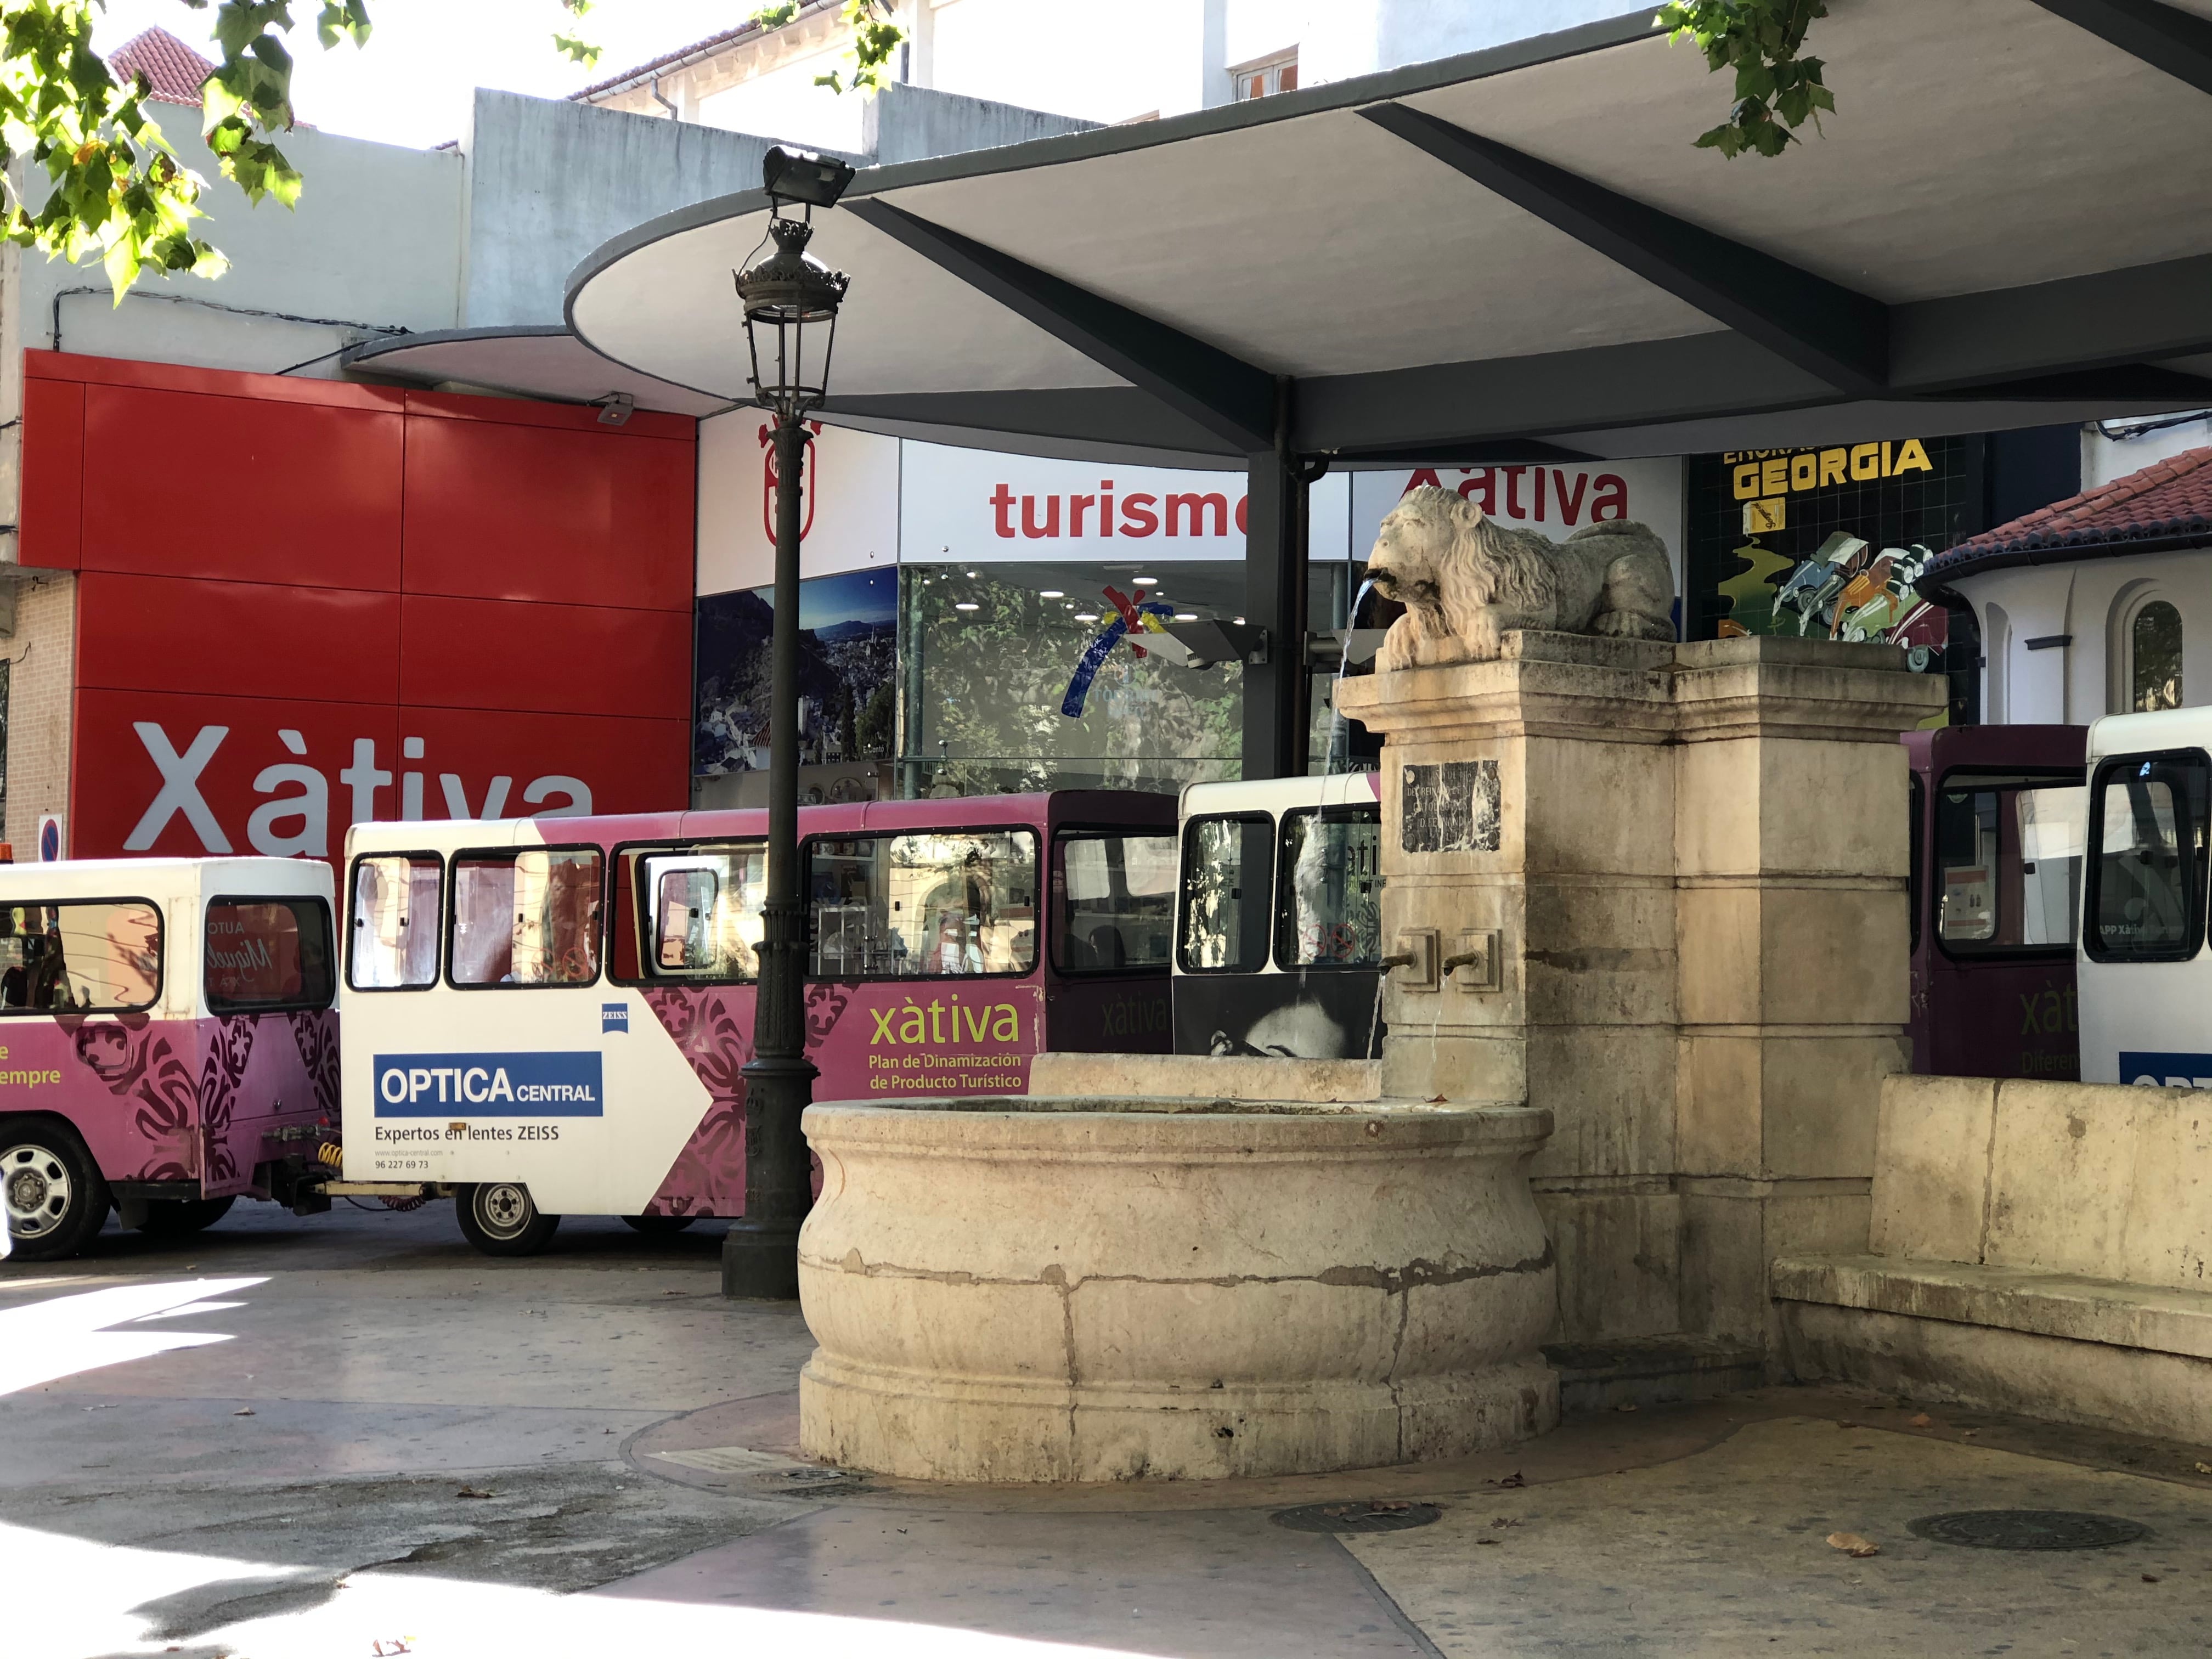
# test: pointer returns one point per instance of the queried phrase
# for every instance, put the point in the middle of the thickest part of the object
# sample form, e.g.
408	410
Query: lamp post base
760	1262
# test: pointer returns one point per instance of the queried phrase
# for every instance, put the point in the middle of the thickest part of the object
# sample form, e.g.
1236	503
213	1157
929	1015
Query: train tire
657	1226
500	1218
55	1199
176	1217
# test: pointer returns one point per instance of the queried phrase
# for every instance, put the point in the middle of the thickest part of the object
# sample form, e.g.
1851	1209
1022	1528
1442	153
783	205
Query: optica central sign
555	1084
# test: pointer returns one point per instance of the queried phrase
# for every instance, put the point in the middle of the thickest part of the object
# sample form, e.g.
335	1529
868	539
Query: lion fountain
1465	580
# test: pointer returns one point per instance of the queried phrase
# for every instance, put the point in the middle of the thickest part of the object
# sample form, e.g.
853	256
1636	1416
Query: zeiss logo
613	1017
2167	1071
488	1086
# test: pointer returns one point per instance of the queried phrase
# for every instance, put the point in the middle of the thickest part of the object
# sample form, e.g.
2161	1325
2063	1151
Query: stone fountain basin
1041	1289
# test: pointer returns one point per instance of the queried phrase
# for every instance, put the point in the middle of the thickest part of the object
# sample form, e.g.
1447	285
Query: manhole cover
1377	1515
2028	1529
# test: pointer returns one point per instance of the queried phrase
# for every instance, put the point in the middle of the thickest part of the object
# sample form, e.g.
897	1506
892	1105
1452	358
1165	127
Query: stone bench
2034	1247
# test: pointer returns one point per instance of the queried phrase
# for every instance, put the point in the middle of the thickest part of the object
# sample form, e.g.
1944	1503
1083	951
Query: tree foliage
1775	89
115	188
875	38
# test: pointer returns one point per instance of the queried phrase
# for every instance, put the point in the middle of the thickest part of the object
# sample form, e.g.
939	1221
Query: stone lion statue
1464	580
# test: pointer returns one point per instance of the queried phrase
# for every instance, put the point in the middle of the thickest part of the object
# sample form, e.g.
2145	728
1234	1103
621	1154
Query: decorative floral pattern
134	1061
825	1005
709	1175
315	1034
229	1046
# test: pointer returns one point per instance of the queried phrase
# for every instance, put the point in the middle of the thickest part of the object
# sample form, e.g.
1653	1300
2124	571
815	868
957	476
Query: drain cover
2028	1529
1377	1515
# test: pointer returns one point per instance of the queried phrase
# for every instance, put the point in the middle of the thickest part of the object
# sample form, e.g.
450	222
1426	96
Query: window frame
1038	868
2093	877
1334	812
2013	777
452	906
1190	827
1060	834
301	1005
1916	858
161	957
353	886
615	855
2139	607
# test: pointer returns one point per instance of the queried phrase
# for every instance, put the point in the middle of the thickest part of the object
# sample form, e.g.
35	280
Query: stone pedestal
1033	1289
1684	867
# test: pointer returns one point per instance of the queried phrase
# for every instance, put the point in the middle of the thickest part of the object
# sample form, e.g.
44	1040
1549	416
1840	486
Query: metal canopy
547	363
2008	223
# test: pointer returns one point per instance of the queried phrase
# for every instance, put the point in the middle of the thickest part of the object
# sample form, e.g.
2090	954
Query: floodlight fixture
812	180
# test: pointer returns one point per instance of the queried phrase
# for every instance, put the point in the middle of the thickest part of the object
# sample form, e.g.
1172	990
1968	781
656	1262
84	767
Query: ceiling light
976	573
1086	616
1186	615
1052	594
1239	620
1148	581
966	605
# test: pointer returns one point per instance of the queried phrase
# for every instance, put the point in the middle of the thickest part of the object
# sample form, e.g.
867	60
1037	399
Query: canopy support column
1277	487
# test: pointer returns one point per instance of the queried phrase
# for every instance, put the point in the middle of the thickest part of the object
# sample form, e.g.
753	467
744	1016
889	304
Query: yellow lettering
1885	457
1913	458
1831	465
1804	470
913	1028
883	1017
1746	481
1865	457
1006	1027
1774	476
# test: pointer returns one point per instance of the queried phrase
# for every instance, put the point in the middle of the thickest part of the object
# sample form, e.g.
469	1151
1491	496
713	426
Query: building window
2155	658
1266	77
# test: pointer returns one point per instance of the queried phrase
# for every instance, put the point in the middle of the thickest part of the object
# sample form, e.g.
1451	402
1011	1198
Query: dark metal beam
1225	394
2127	382
2163	36
1824	329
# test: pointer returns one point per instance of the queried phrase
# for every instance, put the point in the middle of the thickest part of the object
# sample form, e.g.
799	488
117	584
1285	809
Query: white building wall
2093	601
2103	460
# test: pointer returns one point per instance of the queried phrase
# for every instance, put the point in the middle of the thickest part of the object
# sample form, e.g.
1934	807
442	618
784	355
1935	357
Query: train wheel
55	1199
173	1218
501	1219
654	1226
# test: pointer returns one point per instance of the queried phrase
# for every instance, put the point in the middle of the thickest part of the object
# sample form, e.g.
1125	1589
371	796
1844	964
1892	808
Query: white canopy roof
2008	222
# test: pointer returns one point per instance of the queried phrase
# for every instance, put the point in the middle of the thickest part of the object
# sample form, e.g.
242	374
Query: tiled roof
172	68
2165	503
696	49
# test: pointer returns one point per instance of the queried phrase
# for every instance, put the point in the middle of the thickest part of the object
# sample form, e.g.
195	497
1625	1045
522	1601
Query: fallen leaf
1512	1480
243	1411
1388	1505
1625	1407
2150	1578
1968	1434
472	1491
1852	1544
1505	1521
2204	1468
1846	1423
1487	1541
1922	1421
1437	1100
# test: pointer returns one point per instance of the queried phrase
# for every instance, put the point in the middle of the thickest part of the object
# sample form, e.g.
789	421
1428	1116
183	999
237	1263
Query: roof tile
2168	500
172	68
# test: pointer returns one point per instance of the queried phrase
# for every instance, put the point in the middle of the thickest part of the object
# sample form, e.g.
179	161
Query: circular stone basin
1030	1289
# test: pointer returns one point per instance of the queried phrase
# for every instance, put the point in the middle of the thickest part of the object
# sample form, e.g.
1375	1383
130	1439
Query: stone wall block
1820	1099
1598	807
1620	1269
1718	1117
1599	955
1931	1171
2167	1236
2061	1173
1611	1093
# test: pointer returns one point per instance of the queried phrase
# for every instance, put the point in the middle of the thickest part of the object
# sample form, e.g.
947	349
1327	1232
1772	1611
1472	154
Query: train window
1115	901
2147	895
394	939
702	910
2008	864
100	956
1228	889
267	954
525	918
948	903
1330	911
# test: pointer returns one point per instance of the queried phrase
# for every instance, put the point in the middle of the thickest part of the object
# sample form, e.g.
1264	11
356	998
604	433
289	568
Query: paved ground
352	1435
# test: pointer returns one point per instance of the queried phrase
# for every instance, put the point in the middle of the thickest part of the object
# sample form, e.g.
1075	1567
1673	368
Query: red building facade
298	603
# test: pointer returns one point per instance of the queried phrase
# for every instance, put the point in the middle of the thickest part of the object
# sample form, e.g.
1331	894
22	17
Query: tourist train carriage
1279	918
167	1042
2146	976
550	1016
1997	816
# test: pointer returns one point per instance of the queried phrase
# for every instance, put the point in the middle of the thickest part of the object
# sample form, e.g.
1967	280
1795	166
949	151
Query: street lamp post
791	304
